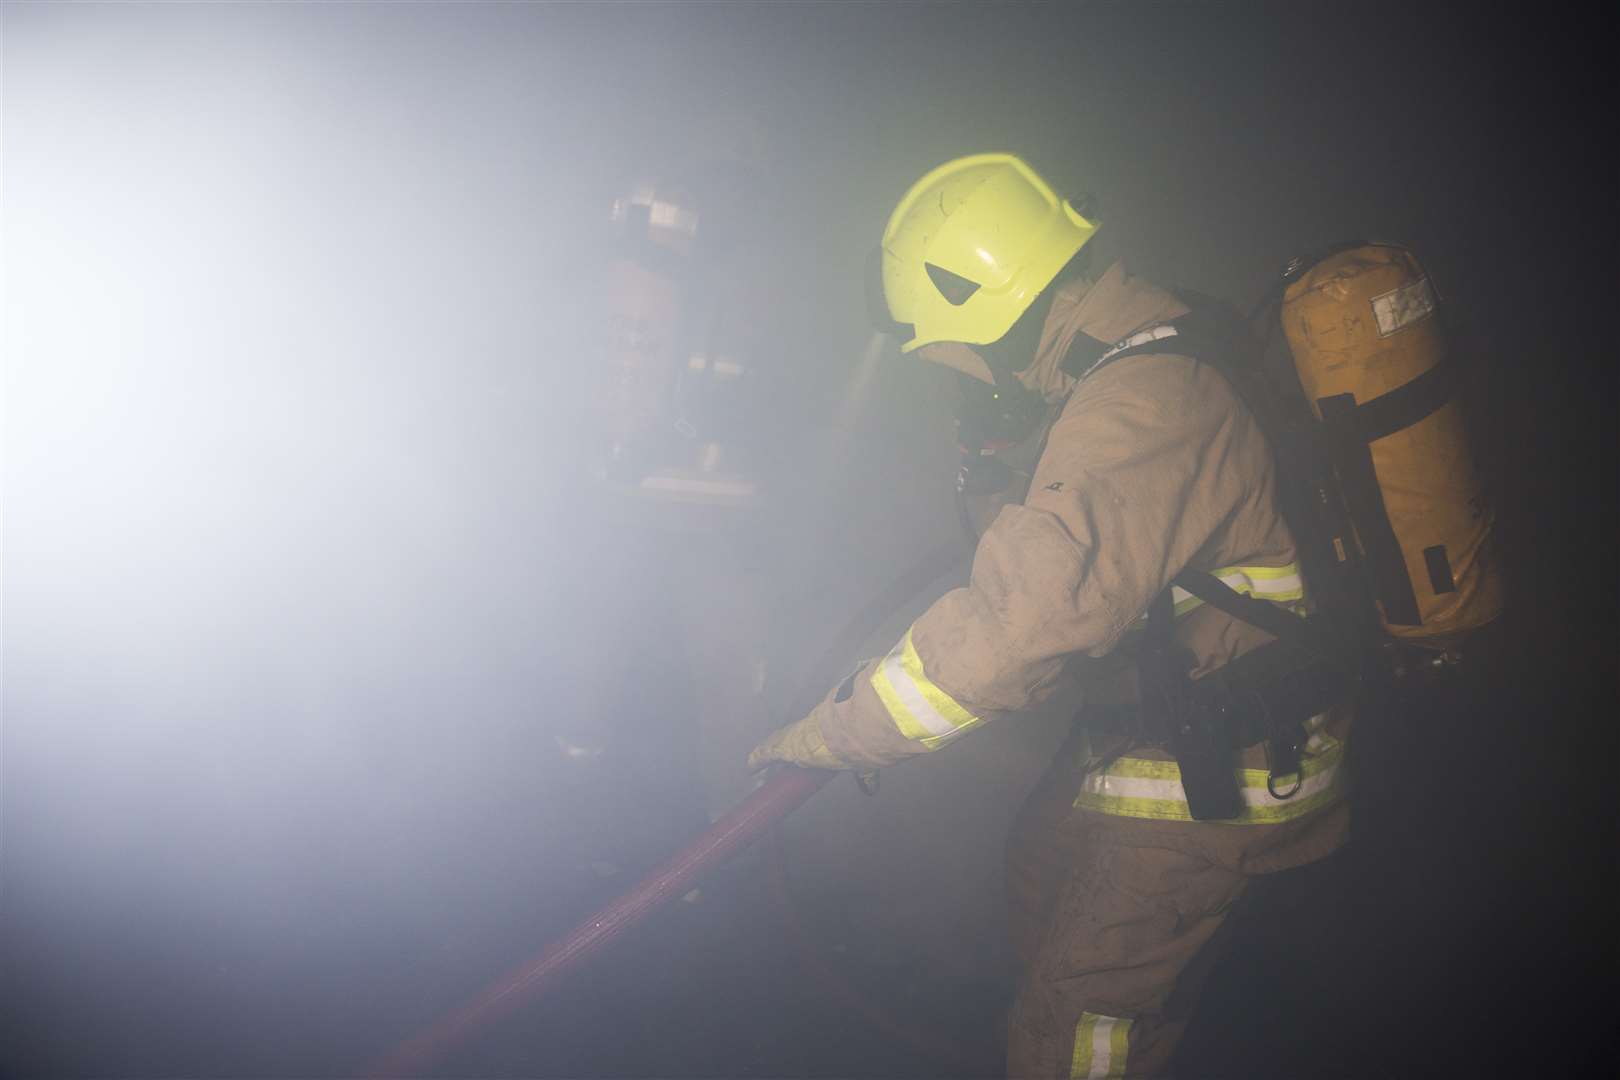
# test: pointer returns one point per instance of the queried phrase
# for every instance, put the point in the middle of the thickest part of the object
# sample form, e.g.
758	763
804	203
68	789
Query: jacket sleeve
1143	466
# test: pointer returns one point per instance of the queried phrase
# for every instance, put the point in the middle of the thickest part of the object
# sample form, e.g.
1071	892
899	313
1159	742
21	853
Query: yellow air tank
1372	357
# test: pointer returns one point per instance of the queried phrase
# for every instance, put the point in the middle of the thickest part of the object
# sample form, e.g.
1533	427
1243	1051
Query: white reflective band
667	215
1400	308
1101	1046
1156	333
1266	582
1145	788
919	708
661	213
1183	600
1279	584
720	367
699	487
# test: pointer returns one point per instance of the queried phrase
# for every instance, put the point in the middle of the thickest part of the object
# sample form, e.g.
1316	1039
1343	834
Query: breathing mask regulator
999	415
996	417
991	417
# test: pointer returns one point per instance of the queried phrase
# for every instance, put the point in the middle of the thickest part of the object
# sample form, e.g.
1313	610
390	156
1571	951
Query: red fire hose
779	796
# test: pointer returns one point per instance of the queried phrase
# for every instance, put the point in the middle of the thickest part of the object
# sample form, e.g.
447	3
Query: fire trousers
1117	922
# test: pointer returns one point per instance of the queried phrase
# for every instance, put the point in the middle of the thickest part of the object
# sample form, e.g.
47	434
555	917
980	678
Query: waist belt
1262	698
1272	687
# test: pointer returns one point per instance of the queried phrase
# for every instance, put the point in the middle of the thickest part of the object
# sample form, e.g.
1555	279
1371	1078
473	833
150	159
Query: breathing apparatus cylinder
1367	340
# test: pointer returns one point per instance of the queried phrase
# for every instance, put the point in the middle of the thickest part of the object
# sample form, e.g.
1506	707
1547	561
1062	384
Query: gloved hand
804	744
801	744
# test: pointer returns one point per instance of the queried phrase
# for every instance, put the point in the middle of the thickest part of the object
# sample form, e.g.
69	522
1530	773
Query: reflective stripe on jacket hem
1145	788
1101	1046
919	708
1279	584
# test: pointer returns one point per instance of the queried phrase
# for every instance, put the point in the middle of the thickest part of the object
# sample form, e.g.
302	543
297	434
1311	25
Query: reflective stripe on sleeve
1101	1046
919	708
1145	788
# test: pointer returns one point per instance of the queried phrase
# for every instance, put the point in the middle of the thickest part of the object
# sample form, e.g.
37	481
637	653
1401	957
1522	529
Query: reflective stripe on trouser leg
1102	1045
1126	937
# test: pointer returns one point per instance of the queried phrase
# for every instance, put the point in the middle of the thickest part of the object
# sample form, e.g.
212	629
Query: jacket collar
1107	310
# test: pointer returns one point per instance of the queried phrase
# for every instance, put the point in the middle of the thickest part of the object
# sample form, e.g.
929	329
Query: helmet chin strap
1015	350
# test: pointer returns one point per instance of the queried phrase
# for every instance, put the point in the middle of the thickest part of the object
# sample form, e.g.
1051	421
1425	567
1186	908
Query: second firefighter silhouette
669	659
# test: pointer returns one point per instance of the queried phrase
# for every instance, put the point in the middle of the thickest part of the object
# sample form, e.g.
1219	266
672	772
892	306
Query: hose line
782	793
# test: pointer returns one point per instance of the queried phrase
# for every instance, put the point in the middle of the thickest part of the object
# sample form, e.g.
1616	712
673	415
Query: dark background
1466	932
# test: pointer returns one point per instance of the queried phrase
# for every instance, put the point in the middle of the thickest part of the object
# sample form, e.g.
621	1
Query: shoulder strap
1190	335
1088	355
1162	682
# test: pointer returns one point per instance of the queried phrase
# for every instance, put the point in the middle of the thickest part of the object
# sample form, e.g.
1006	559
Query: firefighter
667	666
1152	467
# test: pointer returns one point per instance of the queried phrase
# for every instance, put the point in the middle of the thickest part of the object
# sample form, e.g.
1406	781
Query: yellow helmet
970	247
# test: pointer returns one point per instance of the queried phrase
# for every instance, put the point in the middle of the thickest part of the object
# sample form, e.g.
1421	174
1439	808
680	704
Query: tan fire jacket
1153	466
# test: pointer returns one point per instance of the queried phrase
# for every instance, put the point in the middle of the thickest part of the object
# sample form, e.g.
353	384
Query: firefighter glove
800	744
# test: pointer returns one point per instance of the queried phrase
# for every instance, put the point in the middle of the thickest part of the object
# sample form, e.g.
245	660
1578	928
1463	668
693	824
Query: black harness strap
1352	429
1161	682
1200	739
1352	458
1403	406
1083	360
1263	614
1084	352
